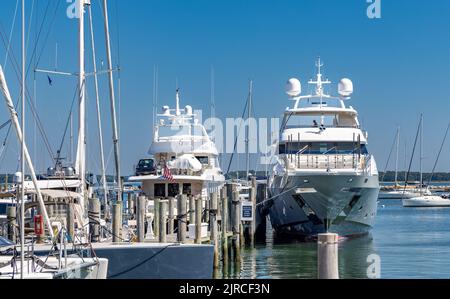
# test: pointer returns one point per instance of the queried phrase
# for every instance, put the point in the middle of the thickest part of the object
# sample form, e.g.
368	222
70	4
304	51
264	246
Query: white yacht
182	146
325	180
430	201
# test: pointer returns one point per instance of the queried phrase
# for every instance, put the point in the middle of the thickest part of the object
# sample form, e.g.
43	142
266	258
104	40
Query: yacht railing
327	161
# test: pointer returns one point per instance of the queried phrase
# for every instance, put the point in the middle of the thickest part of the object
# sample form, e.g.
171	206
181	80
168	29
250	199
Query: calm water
412	243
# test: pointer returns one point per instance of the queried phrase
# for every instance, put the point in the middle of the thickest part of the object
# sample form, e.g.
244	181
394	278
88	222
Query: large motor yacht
184	157
324	179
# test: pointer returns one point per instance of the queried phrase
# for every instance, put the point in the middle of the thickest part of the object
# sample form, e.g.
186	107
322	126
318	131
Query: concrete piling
327	256
162	221
182	217
141	212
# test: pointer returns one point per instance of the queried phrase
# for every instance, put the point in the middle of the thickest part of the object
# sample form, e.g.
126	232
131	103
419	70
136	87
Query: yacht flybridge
324	180
185	158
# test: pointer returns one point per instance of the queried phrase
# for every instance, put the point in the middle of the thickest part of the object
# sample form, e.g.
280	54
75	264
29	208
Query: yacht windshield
180	130
322	148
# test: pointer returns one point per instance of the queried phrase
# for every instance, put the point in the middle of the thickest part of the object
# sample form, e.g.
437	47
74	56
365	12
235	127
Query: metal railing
324	161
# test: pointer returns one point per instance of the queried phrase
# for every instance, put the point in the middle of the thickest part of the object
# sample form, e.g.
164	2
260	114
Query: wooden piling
236	224
191	209
162	221
252	195
70	214
141	211
327	256
12	223
198	219
214	229
224	199
94	219
207	208
182	217
156	221
171	216
117	222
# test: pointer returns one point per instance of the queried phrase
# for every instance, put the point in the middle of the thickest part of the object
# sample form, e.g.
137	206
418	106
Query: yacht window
314	148
174	190
187	189
3	208
203	160
160	190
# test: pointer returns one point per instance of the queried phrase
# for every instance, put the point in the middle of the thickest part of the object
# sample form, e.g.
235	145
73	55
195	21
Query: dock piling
198	220
191	209
70	219
182	217
141	211
117	222
236	224
162	221
171	215
223	198
94	219
12	223
327	256
156	221
214	229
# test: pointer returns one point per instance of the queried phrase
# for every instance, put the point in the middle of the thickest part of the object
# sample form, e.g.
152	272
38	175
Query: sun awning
188	162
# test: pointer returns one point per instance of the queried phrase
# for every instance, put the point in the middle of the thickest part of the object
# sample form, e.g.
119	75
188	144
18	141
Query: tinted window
174	190
3	208
160	190
317	148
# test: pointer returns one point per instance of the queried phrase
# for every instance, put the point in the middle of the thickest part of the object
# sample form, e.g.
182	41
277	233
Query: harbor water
411	243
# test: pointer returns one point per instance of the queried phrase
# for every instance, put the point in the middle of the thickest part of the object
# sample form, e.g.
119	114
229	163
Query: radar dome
345	87
188	110
293	87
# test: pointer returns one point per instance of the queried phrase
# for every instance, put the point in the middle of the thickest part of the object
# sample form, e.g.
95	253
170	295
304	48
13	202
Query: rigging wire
439	155
389	158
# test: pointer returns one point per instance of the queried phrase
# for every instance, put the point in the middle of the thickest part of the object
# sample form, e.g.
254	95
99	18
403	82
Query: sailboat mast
396	160
81	149
113	101
247	139
99	118
421	154
22	159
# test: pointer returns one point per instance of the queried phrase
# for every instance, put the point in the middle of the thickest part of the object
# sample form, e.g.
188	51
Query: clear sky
399	65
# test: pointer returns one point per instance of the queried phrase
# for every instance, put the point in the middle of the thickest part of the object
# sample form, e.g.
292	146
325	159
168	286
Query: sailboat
425	199
398	191
19	260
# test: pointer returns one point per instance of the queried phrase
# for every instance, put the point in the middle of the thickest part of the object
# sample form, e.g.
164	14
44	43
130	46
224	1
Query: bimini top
178	131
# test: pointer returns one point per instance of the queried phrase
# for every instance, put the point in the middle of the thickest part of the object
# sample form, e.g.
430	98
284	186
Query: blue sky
399	65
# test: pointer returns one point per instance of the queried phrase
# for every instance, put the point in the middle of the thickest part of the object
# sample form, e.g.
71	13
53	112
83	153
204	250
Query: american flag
167	175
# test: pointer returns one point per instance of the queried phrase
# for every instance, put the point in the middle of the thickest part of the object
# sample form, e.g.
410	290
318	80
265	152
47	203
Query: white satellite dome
345	87
188	109
293	87
166	110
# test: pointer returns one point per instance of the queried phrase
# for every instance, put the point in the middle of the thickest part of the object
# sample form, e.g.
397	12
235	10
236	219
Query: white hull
426	201
77	268
343	204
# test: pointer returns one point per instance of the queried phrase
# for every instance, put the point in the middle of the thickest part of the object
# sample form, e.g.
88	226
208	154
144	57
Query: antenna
178	101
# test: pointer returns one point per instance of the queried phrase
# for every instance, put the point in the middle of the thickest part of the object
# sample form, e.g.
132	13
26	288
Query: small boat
426	201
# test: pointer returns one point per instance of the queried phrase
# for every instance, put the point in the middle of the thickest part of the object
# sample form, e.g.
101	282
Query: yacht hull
426	202
307	205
